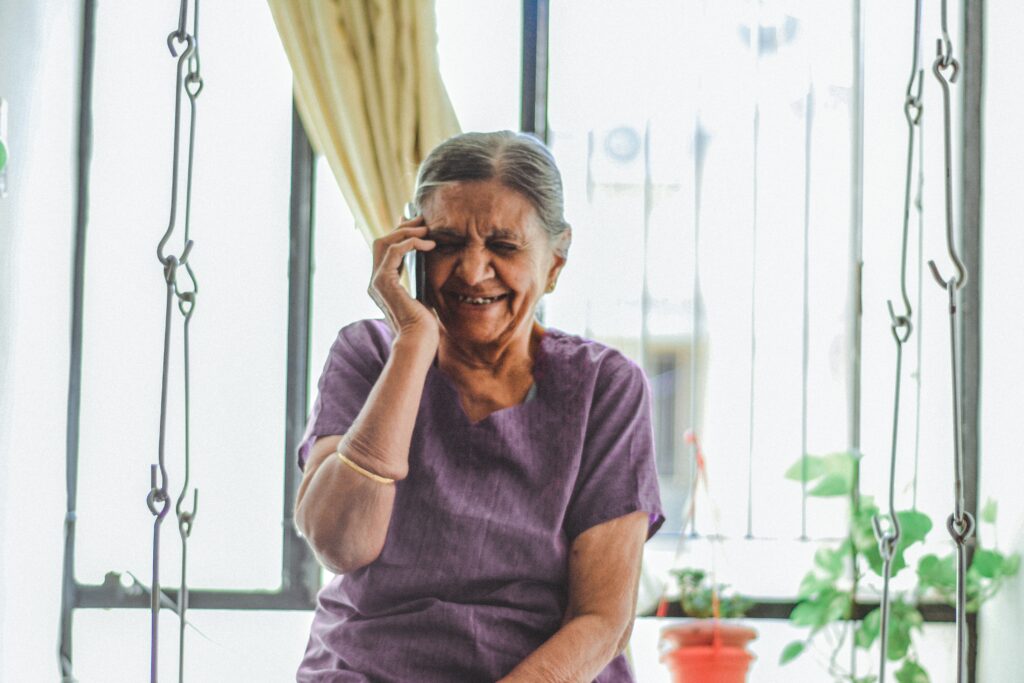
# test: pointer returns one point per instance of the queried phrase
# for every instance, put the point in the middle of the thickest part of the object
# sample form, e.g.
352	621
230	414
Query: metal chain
888	533
159	500
960	524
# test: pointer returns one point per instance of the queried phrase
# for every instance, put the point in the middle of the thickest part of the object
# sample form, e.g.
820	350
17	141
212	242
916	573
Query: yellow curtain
368	88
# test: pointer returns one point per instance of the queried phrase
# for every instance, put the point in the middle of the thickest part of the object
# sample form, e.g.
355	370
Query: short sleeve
353	365
617	470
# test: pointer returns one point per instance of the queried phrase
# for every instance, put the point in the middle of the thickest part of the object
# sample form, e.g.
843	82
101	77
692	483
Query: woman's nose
475	266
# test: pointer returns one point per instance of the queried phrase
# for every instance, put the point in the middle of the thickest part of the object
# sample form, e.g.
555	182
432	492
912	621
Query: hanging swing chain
158	500
888	535
961	523
944	61
186	305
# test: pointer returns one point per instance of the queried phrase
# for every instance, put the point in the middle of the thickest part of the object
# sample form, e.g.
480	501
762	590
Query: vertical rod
645	294
533	114
855	303
755	45
970	252
299	569
806	318
699	145
69	594
856	234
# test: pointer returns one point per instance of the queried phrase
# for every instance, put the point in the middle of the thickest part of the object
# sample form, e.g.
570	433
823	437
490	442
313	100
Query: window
689	142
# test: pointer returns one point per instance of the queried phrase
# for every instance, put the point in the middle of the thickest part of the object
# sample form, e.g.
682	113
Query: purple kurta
473	576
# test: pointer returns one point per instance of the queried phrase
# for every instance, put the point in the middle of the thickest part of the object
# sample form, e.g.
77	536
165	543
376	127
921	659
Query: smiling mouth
478	300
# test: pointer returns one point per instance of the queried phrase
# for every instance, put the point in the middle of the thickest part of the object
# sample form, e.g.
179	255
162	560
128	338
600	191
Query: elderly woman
482	485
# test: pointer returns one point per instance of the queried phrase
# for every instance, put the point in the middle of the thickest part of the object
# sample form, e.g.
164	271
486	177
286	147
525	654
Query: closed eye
503	247
447	247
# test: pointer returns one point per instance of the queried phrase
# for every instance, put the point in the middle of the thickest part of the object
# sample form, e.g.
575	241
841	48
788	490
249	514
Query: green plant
697	595
826	596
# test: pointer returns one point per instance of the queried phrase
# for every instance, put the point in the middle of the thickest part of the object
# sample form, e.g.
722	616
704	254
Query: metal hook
179	38
945	61
158	494
190	46
900	322
887	539
913	107
187	517
961	530
186	302
193	84
937	69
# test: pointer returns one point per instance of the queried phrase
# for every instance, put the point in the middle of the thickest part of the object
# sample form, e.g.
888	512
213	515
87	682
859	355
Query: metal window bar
533	112
970	251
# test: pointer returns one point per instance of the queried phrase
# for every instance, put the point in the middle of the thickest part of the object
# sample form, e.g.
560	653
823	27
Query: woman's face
492	263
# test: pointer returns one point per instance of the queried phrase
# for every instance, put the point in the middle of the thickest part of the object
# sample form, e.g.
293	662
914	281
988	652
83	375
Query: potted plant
707	649
826	596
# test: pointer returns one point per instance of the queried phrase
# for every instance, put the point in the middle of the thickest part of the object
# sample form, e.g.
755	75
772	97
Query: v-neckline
532	395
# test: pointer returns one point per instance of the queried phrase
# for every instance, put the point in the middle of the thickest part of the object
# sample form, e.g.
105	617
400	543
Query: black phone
415	265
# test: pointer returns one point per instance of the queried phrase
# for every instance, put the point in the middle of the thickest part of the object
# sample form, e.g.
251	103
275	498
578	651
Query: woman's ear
560	247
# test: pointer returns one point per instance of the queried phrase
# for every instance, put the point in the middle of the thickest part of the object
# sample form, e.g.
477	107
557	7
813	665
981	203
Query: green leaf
815	468
792	651
808	613
828	606
911	672
987	563
938	573
812	584
830	561
903	618
867	631
833	473
988	512
832	485
1011	565
914	527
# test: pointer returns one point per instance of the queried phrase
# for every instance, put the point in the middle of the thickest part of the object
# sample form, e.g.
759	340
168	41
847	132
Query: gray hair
518	161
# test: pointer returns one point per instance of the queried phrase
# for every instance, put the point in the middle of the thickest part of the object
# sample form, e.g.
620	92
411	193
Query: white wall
39	44
1002	430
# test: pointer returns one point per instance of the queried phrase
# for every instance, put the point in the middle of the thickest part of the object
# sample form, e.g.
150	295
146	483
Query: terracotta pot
706	651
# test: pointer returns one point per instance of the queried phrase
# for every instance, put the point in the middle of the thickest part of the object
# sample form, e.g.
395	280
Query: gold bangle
365	472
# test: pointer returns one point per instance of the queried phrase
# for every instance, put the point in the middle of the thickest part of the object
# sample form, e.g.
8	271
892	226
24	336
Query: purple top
473	575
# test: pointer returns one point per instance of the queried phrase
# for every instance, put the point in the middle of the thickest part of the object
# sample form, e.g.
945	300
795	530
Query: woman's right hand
407	317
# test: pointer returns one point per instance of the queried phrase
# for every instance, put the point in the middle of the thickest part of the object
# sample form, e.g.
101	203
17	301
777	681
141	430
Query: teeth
478	301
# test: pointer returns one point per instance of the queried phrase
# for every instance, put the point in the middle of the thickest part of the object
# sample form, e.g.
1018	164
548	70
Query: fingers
392	257
414	227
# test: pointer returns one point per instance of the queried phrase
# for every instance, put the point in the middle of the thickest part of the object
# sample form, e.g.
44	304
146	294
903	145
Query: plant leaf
914	527
832	485
812	584
815	469
828	606
936	572
867	631
911	672
830	561
792	651
989	511
987	563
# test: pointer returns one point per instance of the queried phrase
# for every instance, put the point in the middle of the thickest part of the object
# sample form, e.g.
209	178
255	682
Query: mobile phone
415	265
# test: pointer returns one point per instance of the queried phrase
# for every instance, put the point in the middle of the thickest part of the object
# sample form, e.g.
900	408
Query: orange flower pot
706	651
